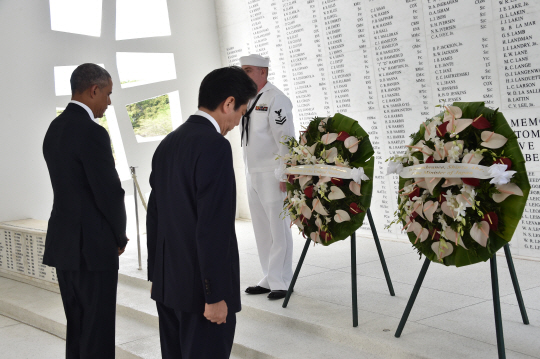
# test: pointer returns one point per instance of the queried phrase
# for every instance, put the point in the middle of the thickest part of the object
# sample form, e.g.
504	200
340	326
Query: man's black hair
87	75
221	83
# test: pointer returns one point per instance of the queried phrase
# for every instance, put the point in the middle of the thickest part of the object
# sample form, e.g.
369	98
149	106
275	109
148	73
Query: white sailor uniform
269	122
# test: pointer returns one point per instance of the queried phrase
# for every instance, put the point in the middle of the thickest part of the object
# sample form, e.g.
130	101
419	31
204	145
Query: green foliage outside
151	117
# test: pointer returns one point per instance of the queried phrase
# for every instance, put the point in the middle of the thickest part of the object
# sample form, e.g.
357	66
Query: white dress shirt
90	113
210	118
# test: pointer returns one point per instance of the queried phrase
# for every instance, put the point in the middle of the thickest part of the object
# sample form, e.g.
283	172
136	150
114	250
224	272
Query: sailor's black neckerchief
245	121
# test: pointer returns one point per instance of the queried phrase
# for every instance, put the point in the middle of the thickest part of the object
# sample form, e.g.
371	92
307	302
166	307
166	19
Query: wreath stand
496	298
353	269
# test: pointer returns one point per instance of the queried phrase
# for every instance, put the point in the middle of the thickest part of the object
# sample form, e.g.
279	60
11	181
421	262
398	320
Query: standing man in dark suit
193	259
86	231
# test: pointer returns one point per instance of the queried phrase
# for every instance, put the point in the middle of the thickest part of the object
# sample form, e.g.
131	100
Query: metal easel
353	269
495	293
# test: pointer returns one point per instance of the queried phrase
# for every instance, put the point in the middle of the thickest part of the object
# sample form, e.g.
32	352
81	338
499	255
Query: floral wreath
461	220
328	208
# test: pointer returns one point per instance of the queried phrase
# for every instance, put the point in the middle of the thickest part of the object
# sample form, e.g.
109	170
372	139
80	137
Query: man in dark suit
193	259
86	231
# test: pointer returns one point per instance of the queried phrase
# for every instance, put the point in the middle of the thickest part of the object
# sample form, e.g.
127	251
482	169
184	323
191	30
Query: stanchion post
133	175
381	254
412	298
354	279
515	282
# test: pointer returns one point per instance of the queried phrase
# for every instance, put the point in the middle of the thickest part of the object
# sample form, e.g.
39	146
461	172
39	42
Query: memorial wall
387	64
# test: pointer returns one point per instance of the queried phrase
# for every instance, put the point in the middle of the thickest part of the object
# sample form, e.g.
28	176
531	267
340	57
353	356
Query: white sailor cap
254	60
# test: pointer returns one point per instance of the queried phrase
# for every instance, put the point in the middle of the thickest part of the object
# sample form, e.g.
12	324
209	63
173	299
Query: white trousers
272	233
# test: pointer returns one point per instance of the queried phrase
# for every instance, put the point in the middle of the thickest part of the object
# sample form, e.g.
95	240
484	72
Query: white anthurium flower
506	190
315	237
418	146
473	158
480	233
427	152
341	216
454	237
335	193
431	183
318	222
306	211
458	125
415	161
445	207
358	175
394	167
451	182
431	129
442	249
311	149
303	139
322	124
414	227
330	155
420	182
324	180
351	143
421	234
318	207
452	113
429	209
304	181
355	188
298	223
464	199
500	174
492	140
329	138
418	206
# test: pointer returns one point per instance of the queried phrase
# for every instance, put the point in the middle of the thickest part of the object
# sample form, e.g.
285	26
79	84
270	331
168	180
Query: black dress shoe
277	294
257	290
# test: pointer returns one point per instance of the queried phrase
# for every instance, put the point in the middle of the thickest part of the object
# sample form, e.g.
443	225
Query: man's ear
228	105
93	91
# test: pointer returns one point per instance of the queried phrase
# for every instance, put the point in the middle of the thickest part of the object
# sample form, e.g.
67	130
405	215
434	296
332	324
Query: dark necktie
245	121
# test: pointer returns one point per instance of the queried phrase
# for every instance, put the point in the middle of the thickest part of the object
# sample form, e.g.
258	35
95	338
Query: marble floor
452	316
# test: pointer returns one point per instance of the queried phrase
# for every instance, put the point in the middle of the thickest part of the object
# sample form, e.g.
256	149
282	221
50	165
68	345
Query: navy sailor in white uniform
264	127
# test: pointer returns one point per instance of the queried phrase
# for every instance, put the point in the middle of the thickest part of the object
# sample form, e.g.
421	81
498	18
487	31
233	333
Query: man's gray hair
87	75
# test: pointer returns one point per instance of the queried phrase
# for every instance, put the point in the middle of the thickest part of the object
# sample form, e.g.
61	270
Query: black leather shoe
257	290
277	294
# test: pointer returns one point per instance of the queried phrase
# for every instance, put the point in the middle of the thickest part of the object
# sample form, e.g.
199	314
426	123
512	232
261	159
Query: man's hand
122	250
216	313
283	186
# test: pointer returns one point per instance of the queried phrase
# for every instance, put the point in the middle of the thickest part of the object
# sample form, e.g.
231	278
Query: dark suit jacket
192	248
88	218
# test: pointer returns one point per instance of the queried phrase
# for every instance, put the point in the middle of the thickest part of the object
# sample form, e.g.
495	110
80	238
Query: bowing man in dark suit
193	259
87	227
